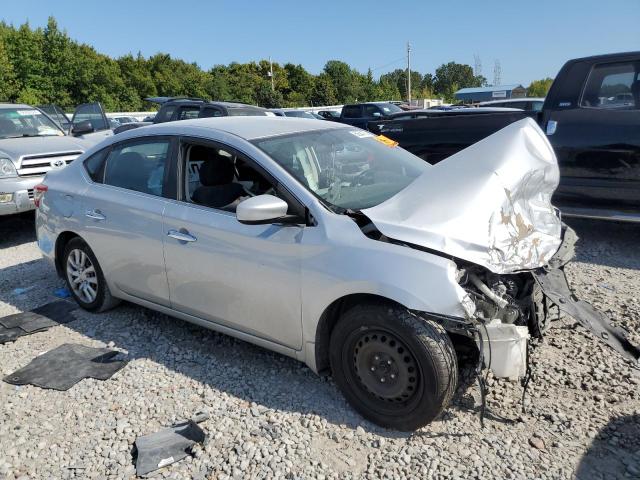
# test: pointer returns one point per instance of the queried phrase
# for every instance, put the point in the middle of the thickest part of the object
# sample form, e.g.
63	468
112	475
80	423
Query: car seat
217	188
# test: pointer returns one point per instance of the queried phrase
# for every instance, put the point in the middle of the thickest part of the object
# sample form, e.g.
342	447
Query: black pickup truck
591	116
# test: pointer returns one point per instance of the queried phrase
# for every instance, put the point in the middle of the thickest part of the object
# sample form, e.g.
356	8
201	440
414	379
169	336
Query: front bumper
20	190
554	285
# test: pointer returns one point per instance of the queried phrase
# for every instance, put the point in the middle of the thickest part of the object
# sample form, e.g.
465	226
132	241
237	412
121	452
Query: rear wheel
85	279
397	370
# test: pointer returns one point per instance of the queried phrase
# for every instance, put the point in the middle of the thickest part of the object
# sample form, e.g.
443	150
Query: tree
539	88
268	98
453	76
342	79
8	83
323	93
300	85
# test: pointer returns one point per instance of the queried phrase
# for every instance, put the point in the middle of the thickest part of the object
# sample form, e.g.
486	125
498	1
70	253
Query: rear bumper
20	191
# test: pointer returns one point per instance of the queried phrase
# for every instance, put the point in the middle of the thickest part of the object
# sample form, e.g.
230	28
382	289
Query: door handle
95	215
181	236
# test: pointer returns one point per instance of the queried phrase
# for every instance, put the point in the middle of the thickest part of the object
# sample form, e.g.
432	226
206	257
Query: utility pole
409	73
477	68
271	73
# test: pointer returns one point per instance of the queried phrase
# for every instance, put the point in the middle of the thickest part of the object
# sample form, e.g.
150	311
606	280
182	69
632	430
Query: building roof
496	88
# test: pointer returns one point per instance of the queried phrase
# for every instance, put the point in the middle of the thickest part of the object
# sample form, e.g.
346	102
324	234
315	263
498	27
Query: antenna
497	73
477	65
408	73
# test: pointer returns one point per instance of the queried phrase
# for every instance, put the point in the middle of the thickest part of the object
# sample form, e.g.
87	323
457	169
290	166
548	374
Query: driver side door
94	114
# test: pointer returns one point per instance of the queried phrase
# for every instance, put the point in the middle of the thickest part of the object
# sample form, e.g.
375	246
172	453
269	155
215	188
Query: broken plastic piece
554	284
64	366
168	445
41	318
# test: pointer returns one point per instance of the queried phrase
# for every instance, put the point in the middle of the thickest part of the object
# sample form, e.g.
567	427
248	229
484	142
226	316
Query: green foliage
539	88
453	76
44	65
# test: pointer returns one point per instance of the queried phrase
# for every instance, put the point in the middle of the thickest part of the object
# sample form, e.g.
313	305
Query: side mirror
261	209
82	128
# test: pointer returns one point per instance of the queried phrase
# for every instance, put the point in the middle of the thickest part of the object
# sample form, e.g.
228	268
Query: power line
390	63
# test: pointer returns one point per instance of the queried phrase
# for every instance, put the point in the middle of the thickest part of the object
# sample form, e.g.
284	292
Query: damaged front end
488	209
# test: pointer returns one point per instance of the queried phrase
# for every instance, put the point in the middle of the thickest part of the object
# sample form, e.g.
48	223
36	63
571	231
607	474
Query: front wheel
398	370
85	278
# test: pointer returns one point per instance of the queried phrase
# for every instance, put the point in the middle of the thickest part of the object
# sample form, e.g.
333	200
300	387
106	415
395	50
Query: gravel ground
271	416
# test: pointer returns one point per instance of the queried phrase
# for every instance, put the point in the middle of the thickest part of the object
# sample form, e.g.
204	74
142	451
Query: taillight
38	193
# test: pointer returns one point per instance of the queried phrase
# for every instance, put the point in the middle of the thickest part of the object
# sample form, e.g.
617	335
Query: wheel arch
330	317
61	243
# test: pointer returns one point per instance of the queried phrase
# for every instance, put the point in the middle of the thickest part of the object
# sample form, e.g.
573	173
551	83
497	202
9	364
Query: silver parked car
31	144
326	243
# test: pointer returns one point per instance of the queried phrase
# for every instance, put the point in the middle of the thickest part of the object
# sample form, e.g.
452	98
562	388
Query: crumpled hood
489	204
14	148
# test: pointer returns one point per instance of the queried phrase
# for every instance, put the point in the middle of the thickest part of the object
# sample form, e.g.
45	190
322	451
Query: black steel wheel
396	369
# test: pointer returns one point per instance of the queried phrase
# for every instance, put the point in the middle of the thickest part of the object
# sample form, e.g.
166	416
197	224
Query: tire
93	277
397	370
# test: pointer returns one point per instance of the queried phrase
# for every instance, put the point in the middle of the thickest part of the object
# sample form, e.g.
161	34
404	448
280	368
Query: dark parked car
360	114
179	108
329	115
591	116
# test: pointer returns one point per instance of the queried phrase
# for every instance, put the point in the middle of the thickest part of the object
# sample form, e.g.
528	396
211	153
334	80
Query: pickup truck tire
398	370
81	269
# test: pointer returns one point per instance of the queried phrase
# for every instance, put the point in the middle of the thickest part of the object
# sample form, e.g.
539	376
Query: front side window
165	114
26	122
389	108
613	86
371	111
139	166
219	178
345	168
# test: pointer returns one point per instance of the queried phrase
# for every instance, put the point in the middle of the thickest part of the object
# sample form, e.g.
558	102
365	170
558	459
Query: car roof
510	100
15	105
248	128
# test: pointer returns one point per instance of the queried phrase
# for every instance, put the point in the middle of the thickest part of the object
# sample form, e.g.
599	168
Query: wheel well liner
329	319
61	242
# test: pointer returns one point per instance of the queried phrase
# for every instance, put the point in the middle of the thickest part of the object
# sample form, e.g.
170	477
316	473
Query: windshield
346	168
26	122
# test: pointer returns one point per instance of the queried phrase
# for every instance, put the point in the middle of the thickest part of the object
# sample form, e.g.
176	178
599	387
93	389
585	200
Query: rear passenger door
352	115
123	211
598	141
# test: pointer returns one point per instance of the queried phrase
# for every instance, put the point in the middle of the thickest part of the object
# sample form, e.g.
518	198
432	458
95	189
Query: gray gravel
272	417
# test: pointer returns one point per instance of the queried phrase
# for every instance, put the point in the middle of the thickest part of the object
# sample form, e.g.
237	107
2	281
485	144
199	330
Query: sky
530	39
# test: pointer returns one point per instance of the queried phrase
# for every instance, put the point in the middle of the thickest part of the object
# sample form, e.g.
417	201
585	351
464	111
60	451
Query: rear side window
187	113
139	167
613	86
211	112
351	111
165	114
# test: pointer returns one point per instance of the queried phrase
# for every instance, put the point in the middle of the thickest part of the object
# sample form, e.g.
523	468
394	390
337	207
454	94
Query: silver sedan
322	242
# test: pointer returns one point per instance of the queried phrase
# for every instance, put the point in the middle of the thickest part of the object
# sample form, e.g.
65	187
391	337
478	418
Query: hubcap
385	366
82	275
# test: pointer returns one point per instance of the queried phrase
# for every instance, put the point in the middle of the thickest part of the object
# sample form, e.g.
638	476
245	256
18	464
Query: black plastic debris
168	445
64	366
39	319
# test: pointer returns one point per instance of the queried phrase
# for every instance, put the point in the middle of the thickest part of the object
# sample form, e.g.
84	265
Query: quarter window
187	113
613	86
138	166
95	165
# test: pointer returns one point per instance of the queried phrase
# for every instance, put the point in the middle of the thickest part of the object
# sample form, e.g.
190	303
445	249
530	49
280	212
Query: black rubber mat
168	445
64	366
46	316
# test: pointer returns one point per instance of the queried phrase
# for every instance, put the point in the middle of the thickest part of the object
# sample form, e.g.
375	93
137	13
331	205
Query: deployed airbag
64	366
